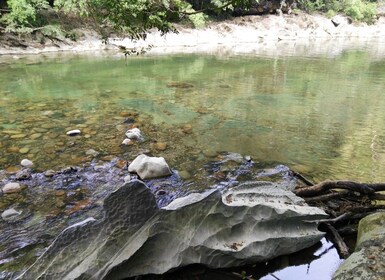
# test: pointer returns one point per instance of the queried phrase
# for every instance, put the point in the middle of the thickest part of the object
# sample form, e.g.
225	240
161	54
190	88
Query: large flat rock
250	223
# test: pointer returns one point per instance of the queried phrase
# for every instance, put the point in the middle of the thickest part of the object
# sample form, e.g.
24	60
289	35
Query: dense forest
136	17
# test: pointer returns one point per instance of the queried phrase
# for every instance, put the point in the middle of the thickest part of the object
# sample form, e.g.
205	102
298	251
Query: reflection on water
323	117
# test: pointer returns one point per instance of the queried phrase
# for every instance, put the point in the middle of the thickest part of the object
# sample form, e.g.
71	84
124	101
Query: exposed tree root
345	201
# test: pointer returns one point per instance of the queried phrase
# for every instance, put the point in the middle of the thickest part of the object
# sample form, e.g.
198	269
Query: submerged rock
368	260
136	237
11	188
26	163
9	214
149	167
134	134
73	132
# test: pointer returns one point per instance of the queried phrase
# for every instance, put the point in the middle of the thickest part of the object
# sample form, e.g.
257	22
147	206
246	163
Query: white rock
73	132
149	167
26	163
126	142
127	179
134	134
11	188
9	213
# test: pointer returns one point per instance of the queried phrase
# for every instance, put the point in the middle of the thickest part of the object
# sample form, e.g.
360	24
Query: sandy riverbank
260	35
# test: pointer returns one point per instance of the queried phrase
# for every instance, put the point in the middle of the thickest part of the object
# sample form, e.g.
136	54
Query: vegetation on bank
136	17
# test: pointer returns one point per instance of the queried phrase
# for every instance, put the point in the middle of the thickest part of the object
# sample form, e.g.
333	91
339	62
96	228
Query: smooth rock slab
149	167
136	237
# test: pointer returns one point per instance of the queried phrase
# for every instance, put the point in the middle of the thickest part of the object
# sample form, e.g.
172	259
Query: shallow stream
321	116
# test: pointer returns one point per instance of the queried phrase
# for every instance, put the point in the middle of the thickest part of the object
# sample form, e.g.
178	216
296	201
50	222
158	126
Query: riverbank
261	35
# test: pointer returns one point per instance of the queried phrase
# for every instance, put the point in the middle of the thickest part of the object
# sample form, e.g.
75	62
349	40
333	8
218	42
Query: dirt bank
263	35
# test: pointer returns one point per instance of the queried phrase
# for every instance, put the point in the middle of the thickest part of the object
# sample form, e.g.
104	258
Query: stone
127	179
160	146
368	259
340	20
73	132
23	174
24	150
49	173
18	136
149	167
9	214
127	142
12	188
255	222
35	136
187	129
26	163
92	152
134	134
12	169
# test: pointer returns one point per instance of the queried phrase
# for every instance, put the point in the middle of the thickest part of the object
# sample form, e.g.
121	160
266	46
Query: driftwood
345	201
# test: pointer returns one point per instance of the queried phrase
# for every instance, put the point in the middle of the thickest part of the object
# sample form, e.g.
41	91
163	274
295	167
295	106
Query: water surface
321	116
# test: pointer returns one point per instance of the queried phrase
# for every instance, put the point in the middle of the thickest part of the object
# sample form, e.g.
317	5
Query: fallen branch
338	241
347	185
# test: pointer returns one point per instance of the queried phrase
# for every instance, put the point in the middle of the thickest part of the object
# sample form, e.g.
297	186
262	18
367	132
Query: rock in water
368	260
237	227
12	188
134	134
149	167
26	163
73	132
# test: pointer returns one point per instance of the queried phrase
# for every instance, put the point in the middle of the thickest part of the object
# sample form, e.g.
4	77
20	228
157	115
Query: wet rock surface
367	261
52	200
134	235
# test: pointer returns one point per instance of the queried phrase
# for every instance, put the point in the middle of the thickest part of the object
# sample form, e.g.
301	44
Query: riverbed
320	114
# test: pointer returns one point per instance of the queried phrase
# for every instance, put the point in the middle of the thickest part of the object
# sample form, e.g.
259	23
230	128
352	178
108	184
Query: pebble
10	213
121	164
24	150
184	174
127	142
24	174
127	179
13	149
35	136
187	129
49	173
160	146
73	132
26	163
92	152
18	136
12	169
11	132
12	188
248	158
133	133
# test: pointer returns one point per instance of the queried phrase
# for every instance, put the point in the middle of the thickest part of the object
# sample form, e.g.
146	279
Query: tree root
346	202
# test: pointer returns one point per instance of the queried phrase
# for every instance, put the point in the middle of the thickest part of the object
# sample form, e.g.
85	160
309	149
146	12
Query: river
322	116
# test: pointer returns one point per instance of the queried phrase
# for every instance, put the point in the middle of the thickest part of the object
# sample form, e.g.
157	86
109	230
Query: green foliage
360	10
77	7
23	14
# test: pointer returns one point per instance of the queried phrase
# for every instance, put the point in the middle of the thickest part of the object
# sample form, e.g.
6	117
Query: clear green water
322	117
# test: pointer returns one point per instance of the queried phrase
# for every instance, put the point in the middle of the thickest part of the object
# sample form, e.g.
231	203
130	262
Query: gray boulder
149	167
368	260
232	228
